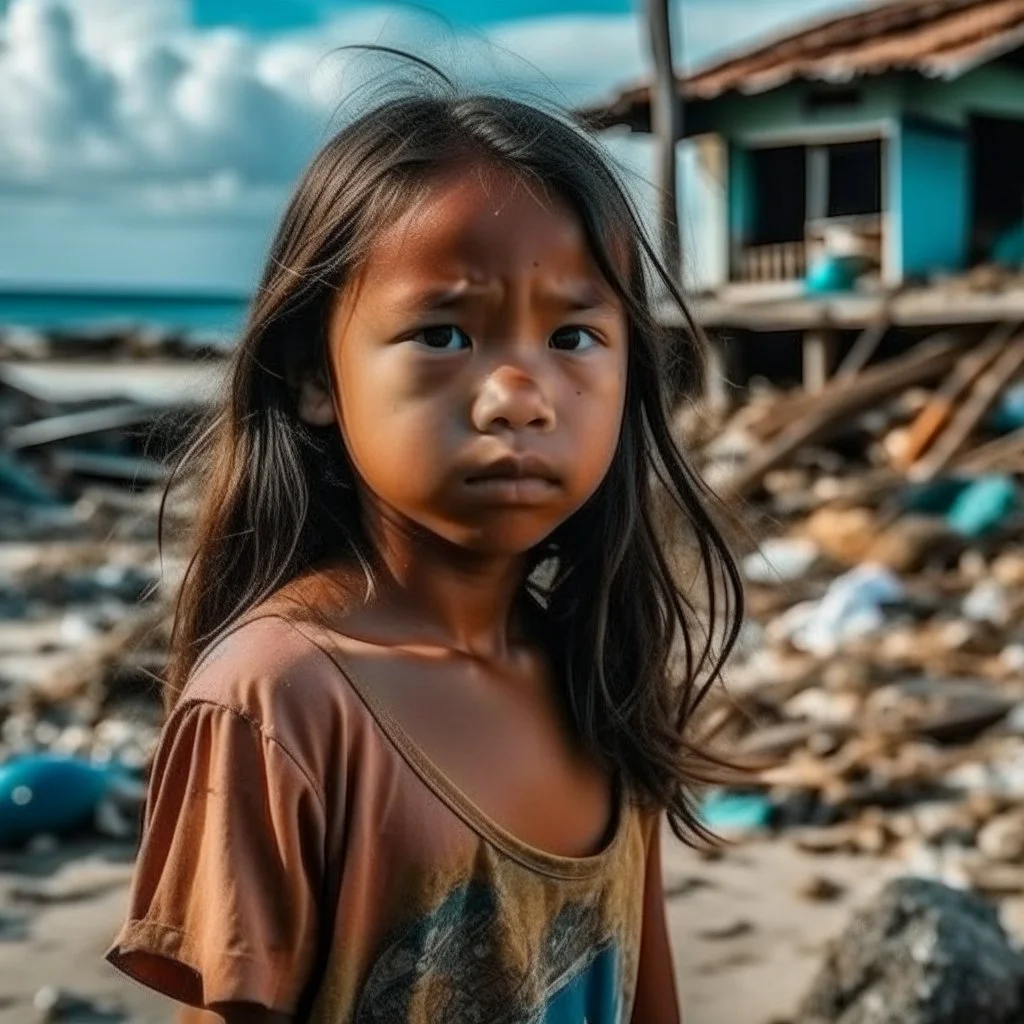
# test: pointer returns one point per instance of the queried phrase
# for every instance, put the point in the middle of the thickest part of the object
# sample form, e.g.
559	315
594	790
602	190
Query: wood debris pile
880	681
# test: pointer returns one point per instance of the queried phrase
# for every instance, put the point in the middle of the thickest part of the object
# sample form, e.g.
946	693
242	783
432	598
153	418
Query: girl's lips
515	467
513	490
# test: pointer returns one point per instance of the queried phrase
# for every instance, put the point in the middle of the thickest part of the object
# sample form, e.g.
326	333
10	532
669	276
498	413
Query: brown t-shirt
300	851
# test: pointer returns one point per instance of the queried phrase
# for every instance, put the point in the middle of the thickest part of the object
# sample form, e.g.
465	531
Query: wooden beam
721	370
667	124
819	358
917	367
932	419
862	350
986	390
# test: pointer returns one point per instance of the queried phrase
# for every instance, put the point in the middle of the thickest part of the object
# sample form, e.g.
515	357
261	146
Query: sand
746	945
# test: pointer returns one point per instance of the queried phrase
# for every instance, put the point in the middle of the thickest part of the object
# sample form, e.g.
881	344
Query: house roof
937	38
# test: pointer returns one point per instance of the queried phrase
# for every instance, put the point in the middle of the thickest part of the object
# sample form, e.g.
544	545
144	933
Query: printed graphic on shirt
449	966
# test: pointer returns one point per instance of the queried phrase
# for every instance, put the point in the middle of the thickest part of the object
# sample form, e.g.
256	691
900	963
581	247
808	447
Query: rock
729	930
911	542
13	928
1008	568
824	707
844	535
847	675
819	889
944	823
987	602
1002	839
53	1004
921	953
997	880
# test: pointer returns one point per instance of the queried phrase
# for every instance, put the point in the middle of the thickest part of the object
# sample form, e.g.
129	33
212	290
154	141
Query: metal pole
667	126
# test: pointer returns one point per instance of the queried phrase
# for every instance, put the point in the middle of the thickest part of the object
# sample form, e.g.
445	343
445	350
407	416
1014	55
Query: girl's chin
498	539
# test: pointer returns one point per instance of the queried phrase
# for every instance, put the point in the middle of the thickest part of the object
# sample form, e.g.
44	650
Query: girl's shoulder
270	670
271	656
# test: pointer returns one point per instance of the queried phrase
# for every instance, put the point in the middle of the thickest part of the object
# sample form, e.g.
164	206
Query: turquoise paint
751	119
926	193
995	90
740	194
892	201
934	184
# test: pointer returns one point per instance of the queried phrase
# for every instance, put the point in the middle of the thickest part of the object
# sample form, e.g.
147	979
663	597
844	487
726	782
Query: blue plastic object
983	506
19	483
834	274
1008	415
49	794
933	498
736	812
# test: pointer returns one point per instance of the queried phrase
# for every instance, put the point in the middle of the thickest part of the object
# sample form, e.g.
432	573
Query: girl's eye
573	339
444	338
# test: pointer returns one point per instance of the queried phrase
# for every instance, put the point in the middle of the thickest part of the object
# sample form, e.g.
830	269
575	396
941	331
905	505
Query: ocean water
214	315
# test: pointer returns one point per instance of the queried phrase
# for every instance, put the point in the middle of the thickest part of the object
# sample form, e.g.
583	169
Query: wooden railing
780	261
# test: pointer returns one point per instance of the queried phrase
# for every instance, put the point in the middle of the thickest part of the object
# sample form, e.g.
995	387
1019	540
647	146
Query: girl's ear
316	406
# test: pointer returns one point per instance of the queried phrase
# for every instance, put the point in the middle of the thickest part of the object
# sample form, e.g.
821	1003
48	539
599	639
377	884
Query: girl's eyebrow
447	296
573	297
579	296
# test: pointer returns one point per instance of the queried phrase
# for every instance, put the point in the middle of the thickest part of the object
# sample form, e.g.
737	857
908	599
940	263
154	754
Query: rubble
878	688
922	953
83	588
880	703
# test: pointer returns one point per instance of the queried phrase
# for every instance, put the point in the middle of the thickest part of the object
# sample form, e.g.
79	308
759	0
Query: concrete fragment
921	953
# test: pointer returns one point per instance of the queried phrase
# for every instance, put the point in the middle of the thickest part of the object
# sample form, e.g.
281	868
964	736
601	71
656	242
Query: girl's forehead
488	217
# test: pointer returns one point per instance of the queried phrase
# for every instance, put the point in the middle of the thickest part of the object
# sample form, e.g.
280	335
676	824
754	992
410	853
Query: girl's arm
656	1000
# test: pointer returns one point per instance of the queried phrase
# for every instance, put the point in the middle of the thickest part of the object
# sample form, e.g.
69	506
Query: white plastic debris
853	607
781	560
987	602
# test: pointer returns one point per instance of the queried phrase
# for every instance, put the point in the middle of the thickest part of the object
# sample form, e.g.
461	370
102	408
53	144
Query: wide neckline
451	794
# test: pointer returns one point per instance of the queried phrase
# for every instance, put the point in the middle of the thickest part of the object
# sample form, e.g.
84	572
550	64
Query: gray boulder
921	953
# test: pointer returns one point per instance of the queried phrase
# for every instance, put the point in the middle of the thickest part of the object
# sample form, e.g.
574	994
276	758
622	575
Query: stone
1002	838
1008	568
910	542
819	889
920	953
844	535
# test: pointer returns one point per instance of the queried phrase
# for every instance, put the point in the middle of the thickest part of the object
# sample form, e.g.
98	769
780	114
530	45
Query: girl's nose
510	399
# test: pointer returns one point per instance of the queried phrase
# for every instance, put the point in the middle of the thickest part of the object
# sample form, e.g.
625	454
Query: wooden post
721	370
819	358
667	126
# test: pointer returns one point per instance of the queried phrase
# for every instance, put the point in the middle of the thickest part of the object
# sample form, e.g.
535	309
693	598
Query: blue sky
278	15
152	143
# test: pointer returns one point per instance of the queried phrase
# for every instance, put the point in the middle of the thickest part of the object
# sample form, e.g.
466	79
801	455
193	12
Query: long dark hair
635	633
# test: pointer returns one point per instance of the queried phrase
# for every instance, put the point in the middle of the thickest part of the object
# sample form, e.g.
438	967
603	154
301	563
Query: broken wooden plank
918	367
983	396
932	419
862	350
992	455
798	404
78	424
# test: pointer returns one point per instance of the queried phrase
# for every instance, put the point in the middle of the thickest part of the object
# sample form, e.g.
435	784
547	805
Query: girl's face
479	362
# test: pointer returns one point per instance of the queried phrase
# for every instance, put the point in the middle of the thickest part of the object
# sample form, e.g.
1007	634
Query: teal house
893	134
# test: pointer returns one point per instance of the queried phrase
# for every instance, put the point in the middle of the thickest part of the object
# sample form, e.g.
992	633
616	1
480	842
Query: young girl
432	669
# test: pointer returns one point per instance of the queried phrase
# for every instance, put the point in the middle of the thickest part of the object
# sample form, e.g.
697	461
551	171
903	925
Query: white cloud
126	95
119	120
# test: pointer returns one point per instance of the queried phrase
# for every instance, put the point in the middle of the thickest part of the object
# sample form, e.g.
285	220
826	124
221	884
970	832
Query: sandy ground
746	944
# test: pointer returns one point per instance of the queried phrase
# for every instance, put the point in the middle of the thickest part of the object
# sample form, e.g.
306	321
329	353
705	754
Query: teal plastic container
49	794
985	505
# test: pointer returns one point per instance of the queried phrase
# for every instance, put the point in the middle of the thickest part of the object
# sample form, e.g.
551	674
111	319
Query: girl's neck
442	594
